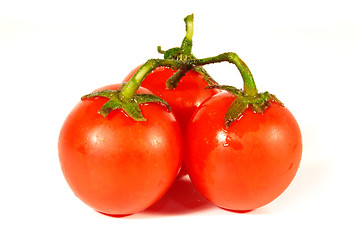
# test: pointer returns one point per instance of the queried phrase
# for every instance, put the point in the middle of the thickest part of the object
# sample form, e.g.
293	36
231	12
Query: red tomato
114	164
247	165
185	98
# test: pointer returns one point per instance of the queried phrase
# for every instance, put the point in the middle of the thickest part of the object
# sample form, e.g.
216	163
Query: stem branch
134	83
249	83
130	88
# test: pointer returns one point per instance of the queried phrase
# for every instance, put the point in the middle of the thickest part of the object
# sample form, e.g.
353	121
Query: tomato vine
182	60
237	156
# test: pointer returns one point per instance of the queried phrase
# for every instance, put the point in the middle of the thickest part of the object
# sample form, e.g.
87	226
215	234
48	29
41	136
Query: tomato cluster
122	147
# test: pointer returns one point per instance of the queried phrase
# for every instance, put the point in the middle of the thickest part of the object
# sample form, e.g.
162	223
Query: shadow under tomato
238	211
115	215
182	198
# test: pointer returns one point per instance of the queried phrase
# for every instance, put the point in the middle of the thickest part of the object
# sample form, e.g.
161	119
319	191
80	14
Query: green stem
173	81
186	45
249	83
130	88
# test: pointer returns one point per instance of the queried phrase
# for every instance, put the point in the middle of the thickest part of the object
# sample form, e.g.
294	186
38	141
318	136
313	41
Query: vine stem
186	45
249	83
134	83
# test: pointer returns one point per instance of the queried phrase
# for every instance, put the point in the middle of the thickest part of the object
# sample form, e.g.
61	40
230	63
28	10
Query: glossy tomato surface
247	165
185	98
114	164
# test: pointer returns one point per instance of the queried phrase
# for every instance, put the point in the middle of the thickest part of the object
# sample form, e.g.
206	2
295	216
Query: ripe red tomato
247	165
114	164
185	98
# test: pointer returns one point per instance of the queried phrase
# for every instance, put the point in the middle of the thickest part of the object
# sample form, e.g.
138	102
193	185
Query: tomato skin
185	98
116	165
247	165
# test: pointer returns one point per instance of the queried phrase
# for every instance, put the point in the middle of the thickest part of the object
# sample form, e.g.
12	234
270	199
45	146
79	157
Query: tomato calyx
258	102
129	106
244	98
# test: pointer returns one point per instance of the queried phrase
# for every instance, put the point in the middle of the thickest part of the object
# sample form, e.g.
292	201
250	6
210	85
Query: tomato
114	164
247	165
185	98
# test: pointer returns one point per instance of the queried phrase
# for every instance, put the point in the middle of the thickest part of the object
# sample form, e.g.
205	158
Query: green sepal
109	106
133	110
129	106
149	98
258	103
237	107
273	98
104	93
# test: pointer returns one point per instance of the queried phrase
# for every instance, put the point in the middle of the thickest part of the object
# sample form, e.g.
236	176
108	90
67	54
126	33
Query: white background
53	52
